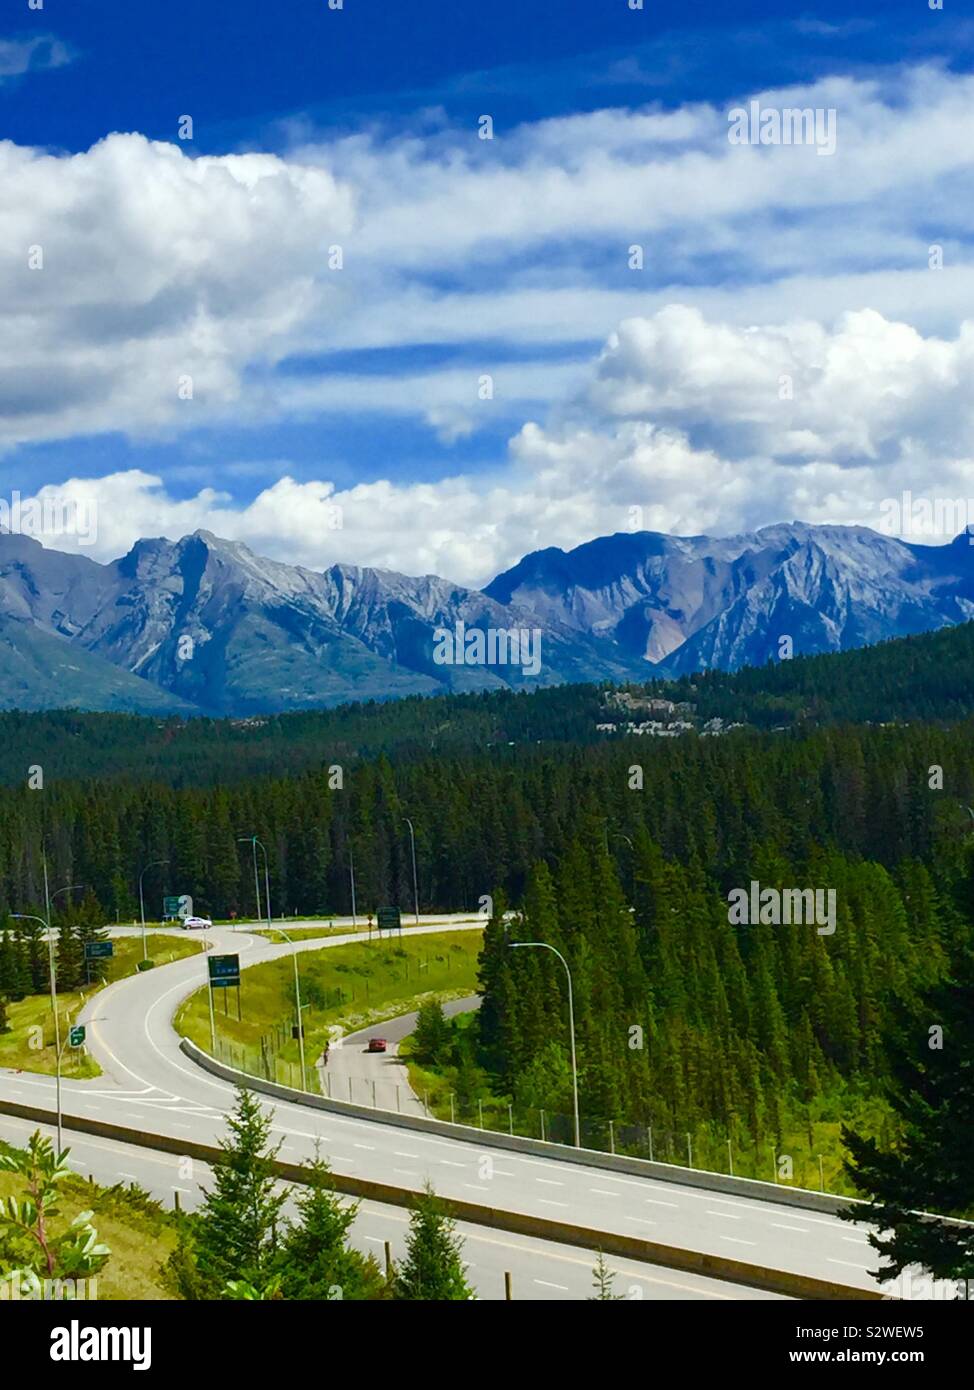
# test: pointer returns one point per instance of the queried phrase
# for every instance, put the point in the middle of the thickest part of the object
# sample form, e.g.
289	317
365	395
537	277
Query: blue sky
486	371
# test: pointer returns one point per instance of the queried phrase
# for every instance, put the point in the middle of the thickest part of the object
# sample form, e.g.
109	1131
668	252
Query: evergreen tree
432	1033
603	1279
235	1235
315	1260
931	1167
433	1270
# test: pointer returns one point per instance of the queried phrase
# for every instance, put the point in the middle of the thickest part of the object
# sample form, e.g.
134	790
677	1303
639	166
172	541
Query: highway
149	1084
540	1270
380	1078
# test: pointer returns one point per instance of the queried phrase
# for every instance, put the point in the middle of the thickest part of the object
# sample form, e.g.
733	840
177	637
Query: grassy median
29	1046
349	987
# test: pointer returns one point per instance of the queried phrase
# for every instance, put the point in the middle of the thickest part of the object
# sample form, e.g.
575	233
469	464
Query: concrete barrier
519	1223
489	1138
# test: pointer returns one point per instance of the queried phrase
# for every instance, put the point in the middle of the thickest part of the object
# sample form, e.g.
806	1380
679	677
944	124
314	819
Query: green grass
349	987
139	1233
29	1046
311	933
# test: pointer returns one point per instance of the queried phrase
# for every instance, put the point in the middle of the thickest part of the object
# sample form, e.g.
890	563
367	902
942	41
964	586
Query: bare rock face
205	625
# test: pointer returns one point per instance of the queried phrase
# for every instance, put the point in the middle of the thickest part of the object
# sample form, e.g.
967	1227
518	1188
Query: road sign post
389	919
97	950
223	972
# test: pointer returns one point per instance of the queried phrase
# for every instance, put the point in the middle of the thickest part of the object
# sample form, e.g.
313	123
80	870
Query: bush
145	965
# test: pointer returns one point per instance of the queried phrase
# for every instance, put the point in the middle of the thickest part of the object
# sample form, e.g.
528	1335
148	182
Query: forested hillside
620	850
930	677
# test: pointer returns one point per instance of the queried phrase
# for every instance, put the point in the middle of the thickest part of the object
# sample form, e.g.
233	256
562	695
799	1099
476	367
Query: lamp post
154	865
32	917
252	841
294	950
351	874
543	945
412	840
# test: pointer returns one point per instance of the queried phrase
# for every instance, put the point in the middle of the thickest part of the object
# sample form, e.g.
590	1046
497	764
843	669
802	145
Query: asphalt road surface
379	1079
149	1084
540	1270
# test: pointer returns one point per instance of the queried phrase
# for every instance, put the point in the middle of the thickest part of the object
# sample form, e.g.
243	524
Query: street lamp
253	842
351	872
154	865
32	917
412	839
294	950
571	1022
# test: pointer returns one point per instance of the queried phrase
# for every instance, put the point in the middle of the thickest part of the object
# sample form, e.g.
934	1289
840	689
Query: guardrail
753	1188
519	1223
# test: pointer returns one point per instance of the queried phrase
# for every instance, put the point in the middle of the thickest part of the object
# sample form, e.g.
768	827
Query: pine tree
931	1169
433	1270
235	1234
603	1279
432	1033
315	1261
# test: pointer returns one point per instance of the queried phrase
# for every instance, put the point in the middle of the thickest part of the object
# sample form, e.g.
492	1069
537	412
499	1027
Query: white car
196	923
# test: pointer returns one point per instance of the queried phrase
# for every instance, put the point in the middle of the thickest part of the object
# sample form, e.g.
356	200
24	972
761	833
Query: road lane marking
547	1284
735	1241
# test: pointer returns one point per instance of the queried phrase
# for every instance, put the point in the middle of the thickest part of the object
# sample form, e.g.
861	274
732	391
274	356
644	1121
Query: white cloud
130	267
761	263
40	51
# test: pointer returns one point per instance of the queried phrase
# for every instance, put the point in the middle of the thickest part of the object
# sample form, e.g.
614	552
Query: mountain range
203	625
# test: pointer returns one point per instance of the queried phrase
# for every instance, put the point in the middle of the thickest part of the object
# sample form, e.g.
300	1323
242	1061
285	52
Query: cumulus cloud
138	285
786	352
800	390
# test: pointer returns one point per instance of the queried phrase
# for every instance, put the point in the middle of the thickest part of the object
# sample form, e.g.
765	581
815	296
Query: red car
377	1044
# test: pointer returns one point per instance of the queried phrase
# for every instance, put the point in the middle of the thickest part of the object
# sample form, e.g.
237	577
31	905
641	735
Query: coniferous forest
619	852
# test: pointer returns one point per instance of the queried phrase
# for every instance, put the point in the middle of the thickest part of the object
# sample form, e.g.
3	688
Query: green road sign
224	971
76	1036
389	919
97	950
170	907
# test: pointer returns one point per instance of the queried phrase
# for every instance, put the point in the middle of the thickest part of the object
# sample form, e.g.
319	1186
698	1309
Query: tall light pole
351	873
293	945
252	841
571	1022
412	840
32	917
154	865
